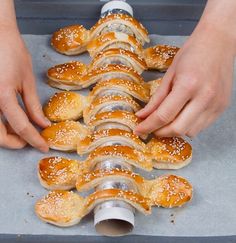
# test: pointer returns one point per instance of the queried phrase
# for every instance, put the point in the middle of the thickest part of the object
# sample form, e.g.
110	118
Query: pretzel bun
138	91
108	102
154	84
139	159
130	24
57	173
98	138
136	200
170	191
64	135
108	72
160	57
118	55
61	208
67	76
65	106
170	153
70	40
114	40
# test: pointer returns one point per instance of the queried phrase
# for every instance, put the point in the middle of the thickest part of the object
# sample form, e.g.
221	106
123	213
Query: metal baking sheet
212	211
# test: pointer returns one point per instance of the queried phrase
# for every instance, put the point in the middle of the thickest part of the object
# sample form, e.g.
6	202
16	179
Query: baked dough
61	208
169	191
70	40
103	137
114	40
64	136
127	119
120	23
119	56
108	72
137	158
67	76
109	103
138	91
66	208
170	153
57	173
166	191
65	106
154	84
160	57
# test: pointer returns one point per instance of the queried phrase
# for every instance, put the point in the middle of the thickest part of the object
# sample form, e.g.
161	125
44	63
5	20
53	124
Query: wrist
8	27
216	33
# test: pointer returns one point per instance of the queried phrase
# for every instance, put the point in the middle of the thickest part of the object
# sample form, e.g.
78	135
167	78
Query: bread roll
170	153
70	40
67	76
65	106
64	136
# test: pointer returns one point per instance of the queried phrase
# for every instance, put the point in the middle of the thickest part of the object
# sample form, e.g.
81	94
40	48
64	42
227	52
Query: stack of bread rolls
118	91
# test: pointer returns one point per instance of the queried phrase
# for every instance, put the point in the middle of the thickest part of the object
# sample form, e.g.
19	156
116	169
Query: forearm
219	17
7	15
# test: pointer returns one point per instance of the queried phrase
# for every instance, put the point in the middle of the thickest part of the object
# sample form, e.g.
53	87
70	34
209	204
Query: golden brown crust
57	173
140	159
160	57
68	74
108	71
129	58
92	179
138	29
138	91
141	203
61	208
169	191
154	84
123	117
86	145
170	153
64	135
114	40
65	106
102	102
70	40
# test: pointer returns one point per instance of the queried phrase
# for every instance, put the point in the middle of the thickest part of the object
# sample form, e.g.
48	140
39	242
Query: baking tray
209	217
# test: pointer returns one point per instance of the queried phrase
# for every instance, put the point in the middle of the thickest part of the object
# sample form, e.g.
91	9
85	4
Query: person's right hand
17	79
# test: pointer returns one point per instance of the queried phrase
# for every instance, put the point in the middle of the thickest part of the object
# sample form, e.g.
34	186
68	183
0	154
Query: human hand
17	79
195	90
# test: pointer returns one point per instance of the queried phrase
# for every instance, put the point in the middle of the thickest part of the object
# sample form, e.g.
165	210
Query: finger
184	121
166	112
32	103
10	140
201	124
20	123
158	96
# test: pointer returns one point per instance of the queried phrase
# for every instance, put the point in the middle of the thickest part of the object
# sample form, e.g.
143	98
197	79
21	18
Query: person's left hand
195	90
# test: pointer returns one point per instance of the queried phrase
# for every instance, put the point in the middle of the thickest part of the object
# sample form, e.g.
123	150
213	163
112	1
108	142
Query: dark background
166	17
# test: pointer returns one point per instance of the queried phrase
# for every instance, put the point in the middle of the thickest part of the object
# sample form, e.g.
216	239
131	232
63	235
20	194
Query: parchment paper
212	212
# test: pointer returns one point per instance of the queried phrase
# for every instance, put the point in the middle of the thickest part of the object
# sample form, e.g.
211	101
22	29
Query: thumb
159	95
